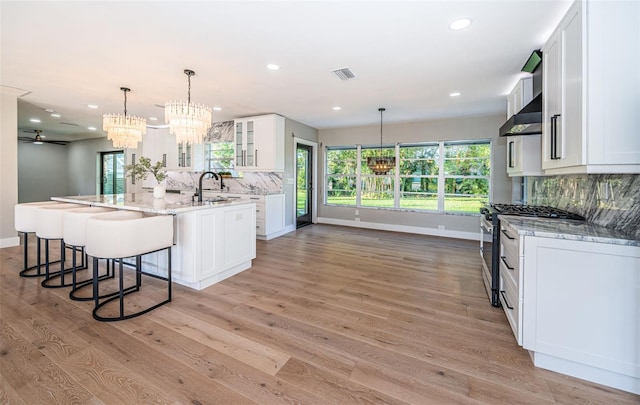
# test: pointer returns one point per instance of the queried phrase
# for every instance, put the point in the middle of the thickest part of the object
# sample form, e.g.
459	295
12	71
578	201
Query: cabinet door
245	143
514	154
551	103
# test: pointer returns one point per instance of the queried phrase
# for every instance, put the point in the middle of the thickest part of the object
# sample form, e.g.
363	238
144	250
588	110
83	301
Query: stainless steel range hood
528	121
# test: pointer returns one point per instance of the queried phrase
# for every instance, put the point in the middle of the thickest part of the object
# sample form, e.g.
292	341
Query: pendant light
125	131
381	164
188	122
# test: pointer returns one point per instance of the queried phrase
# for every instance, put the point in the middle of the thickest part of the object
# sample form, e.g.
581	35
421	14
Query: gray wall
83	168
42	171
437	130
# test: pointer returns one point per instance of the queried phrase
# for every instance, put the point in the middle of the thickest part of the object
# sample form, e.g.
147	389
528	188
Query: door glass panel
112	173
250	144
304	185
239	150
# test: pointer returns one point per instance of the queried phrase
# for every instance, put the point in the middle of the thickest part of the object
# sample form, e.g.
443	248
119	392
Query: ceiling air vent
70	124
344	73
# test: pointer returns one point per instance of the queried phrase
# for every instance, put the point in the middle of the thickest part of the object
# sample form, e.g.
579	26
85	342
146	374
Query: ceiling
68	54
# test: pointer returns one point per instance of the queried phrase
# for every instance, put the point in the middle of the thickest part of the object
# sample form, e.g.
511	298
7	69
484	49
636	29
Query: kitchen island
213	239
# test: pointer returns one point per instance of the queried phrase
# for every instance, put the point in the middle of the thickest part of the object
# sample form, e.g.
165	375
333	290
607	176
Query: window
219	156
341	172
438	176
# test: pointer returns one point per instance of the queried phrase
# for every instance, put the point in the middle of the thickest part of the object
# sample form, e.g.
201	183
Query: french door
112	172
304	185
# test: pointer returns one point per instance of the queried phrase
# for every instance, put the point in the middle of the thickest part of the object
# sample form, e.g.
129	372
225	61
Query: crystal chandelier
381	164
125	131
188	122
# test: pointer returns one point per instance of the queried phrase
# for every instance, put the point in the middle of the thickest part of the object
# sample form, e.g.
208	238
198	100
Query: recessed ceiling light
217	109
337	108
273	66
454	94
56	115
460	24
92	106
92	128
37	121
153	119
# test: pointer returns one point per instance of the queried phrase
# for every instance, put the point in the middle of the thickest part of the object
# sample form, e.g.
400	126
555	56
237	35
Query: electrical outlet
441	227
357	219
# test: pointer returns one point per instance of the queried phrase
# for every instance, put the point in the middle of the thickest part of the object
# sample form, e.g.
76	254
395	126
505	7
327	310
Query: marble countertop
145	202
568	229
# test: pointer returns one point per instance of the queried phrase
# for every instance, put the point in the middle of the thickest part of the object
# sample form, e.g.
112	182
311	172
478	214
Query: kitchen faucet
215	176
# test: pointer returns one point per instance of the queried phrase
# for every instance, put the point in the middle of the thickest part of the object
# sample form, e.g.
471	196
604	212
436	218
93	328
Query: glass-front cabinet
259	143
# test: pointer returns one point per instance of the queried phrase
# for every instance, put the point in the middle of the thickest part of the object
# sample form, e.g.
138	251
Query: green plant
141	170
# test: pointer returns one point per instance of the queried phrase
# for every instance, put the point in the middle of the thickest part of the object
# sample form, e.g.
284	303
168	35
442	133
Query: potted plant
141	170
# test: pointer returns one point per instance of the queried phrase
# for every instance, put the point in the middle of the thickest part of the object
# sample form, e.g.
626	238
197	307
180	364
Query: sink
216	199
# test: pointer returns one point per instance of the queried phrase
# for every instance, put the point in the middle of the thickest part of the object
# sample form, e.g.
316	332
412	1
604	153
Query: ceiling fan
39	140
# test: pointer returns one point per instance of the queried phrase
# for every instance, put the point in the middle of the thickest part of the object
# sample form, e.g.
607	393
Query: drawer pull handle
507	235
504	298
504	260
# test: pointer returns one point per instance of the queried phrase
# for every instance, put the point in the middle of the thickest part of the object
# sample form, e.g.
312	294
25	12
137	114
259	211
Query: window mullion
358	175
441	181
396	184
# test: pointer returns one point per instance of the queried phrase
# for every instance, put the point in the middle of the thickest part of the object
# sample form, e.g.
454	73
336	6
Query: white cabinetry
160	146
591	73
523	151
521	94
582	309
511	262
259	143
523	155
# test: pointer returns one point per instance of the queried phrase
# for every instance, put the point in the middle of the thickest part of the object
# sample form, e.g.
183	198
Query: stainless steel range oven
490	238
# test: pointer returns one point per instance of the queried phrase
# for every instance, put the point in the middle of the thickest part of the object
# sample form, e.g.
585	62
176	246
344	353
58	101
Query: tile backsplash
249	183
610	200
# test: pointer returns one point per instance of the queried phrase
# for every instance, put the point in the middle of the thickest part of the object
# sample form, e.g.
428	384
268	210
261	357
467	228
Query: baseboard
10	242
402	228
287	229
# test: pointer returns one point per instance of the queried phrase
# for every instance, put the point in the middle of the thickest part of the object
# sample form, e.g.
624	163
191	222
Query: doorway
304	185
112	172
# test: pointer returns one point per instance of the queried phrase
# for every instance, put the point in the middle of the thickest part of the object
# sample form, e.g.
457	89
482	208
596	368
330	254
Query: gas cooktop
533	211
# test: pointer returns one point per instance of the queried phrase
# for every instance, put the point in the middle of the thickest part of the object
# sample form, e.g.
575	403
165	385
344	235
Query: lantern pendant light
380	164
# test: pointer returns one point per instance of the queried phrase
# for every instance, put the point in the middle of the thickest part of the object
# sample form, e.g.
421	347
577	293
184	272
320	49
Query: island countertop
145	202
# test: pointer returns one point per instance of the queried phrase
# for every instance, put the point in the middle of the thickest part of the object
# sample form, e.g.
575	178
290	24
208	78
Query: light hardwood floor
326	315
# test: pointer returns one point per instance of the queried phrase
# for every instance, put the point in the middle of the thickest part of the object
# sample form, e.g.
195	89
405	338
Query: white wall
8	164
463	226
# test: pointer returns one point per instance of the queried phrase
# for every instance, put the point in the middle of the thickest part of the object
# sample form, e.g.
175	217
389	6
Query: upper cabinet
160	146
521	94
523	151
259	143
591	78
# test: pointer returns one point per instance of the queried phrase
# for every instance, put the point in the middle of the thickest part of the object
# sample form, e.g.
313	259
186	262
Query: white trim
10	242
287	229
314	174
401	228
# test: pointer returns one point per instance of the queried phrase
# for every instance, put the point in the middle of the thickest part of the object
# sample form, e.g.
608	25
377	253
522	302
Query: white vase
159	191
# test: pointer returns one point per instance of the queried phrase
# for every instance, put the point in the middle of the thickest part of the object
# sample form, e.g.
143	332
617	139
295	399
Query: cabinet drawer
511	304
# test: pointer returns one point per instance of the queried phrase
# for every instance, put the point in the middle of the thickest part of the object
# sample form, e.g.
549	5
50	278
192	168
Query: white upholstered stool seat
25	223
119	235
74	233
49	227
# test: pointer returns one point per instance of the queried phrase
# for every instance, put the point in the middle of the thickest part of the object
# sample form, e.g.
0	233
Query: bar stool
117	236
74	233
49	227
25	223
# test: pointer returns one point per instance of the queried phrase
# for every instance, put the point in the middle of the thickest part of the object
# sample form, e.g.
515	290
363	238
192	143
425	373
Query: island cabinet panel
213	244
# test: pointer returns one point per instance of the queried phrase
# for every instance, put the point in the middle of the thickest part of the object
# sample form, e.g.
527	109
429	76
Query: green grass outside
452	204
